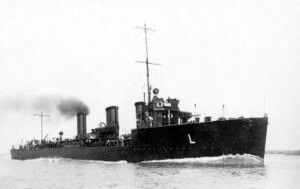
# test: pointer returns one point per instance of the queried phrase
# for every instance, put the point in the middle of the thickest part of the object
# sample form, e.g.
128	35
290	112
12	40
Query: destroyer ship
162	131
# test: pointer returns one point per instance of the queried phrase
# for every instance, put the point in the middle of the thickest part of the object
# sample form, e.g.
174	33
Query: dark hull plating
239	136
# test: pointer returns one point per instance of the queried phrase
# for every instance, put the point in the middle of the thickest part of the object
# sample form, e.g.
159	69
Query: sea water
231	171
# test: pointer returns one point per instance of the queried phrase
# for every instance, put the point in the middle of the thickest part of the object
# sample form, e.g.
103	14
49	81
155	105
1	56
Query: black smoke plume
72	106
66	106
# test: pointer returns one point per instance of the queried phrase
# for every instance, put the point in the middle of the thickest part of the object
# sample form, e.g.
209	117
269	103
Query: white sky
212	52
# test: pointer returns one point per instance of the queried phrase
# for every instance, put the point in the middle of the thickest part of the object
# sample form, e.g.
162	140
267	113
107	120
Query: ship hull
239	136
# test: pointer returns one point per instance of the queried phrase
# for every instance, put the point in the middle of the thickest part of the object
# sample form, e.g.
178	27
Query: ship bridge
160	112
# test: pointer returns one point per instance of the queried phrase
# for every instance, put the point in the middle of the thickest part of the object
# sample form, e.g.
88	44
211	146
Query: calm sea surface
277	171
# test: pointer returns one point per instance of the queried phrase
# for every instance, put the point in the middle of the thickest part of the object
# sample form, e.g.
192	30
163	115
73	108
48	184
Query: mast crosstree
146	29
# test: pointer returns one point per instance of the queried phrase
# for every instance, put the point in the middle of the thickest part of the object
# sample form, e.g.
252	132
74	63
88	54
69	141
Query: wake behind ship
162	131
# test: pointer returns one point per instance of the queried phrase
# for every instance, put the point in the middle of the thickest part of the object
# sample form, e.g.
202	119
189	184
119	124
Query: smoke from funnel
65	106
70	107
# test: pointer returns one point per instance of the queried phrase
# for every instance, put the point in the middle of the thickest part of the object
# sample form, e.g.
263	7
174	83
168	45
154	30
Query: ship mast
41	115
146	29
